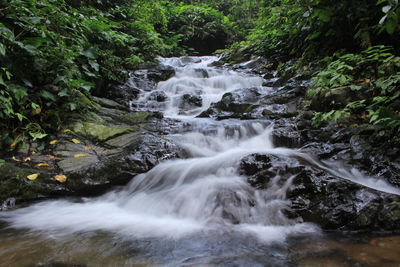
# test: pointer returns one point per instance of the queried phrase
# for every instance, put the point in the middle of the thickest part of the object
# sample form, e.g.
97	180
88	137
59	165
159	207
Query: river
196	211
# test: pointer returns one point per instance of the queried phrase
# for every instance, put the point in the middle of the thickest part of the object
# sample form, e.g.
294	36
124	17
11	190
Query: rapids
201	195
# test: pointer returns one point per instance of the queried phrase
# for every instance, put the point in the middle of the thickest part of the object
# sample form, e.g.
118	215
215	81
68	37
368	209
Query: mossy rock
135	117
14	183
100	132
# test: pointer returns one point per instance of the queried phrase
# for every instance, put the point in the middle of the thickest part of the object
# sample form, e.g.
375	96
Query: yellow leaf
15	159
13	144
66	131
36	111
87	148
34	152
27	159
80	155
33	176
53	157
53	142
76	141
61	178
42	165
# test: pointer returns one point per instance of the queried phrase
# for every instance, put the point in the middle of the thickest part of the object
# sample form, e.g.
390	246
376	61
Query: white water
197	79
203	193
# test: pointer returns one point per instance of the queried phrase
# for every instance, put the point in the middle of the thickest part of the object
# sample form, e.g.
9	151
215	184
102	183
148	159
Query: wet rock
190	101
112	148
319	197
158	96
273	82
138	81
239	101
8	204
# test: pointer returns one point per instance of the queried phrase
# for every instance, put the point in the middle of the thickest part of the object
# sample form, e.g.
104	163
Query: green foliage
201	27
312	28
54	53
374	76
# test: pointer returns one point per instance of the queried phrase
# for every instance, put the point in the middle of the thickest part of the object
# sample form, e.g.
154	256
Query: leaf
76	141
81	155
2	49
53	157
20	116
36	111
14	144
42	165
72	106
48	95
15	159
66	131
33	176
89	53
53	142
61	178
27	159
37	135
386	9
86	148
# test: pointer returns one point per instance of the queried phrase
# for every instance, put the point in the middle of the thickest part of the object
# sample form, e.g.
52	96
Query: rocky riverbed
333	177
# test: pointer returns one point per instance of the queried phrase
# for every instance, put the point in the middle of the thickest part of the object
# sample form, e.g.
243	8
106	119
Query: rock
158	96
112	149
239	101
273	82
317	196
190	102
336	98
108	103
99	132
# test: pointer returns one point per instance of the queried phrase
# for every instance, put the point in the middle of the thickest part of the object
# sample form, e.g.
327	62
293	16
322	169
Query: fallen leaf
80	155
15	159
53	142
13	144
34	152
76	141
66	131
61	178
33	176
164	138
27	159
87	148
42	165
53	157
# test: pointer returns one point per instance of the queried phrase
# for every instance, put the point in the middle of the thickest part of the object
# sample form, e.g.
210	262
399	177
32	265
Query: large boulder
101	150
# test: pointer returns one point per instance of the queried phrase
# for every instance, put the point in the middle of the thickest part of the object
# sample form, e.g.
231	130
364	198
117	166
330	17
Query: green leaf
2	49
20	116
2	81
89	53
72	106
48	95
37	135
355	87
6	33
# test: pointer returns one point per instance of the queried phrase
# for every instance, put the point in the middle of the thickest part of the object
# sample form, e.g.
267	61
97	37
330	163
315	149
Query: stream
199	210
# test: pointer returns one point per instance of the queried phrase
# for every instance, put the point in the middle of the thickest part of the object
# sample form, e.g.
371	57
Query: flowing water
193	211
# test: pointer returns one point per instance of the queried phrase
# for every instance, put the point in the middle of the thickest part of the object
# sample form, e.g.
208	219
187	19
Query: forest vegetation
56	54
